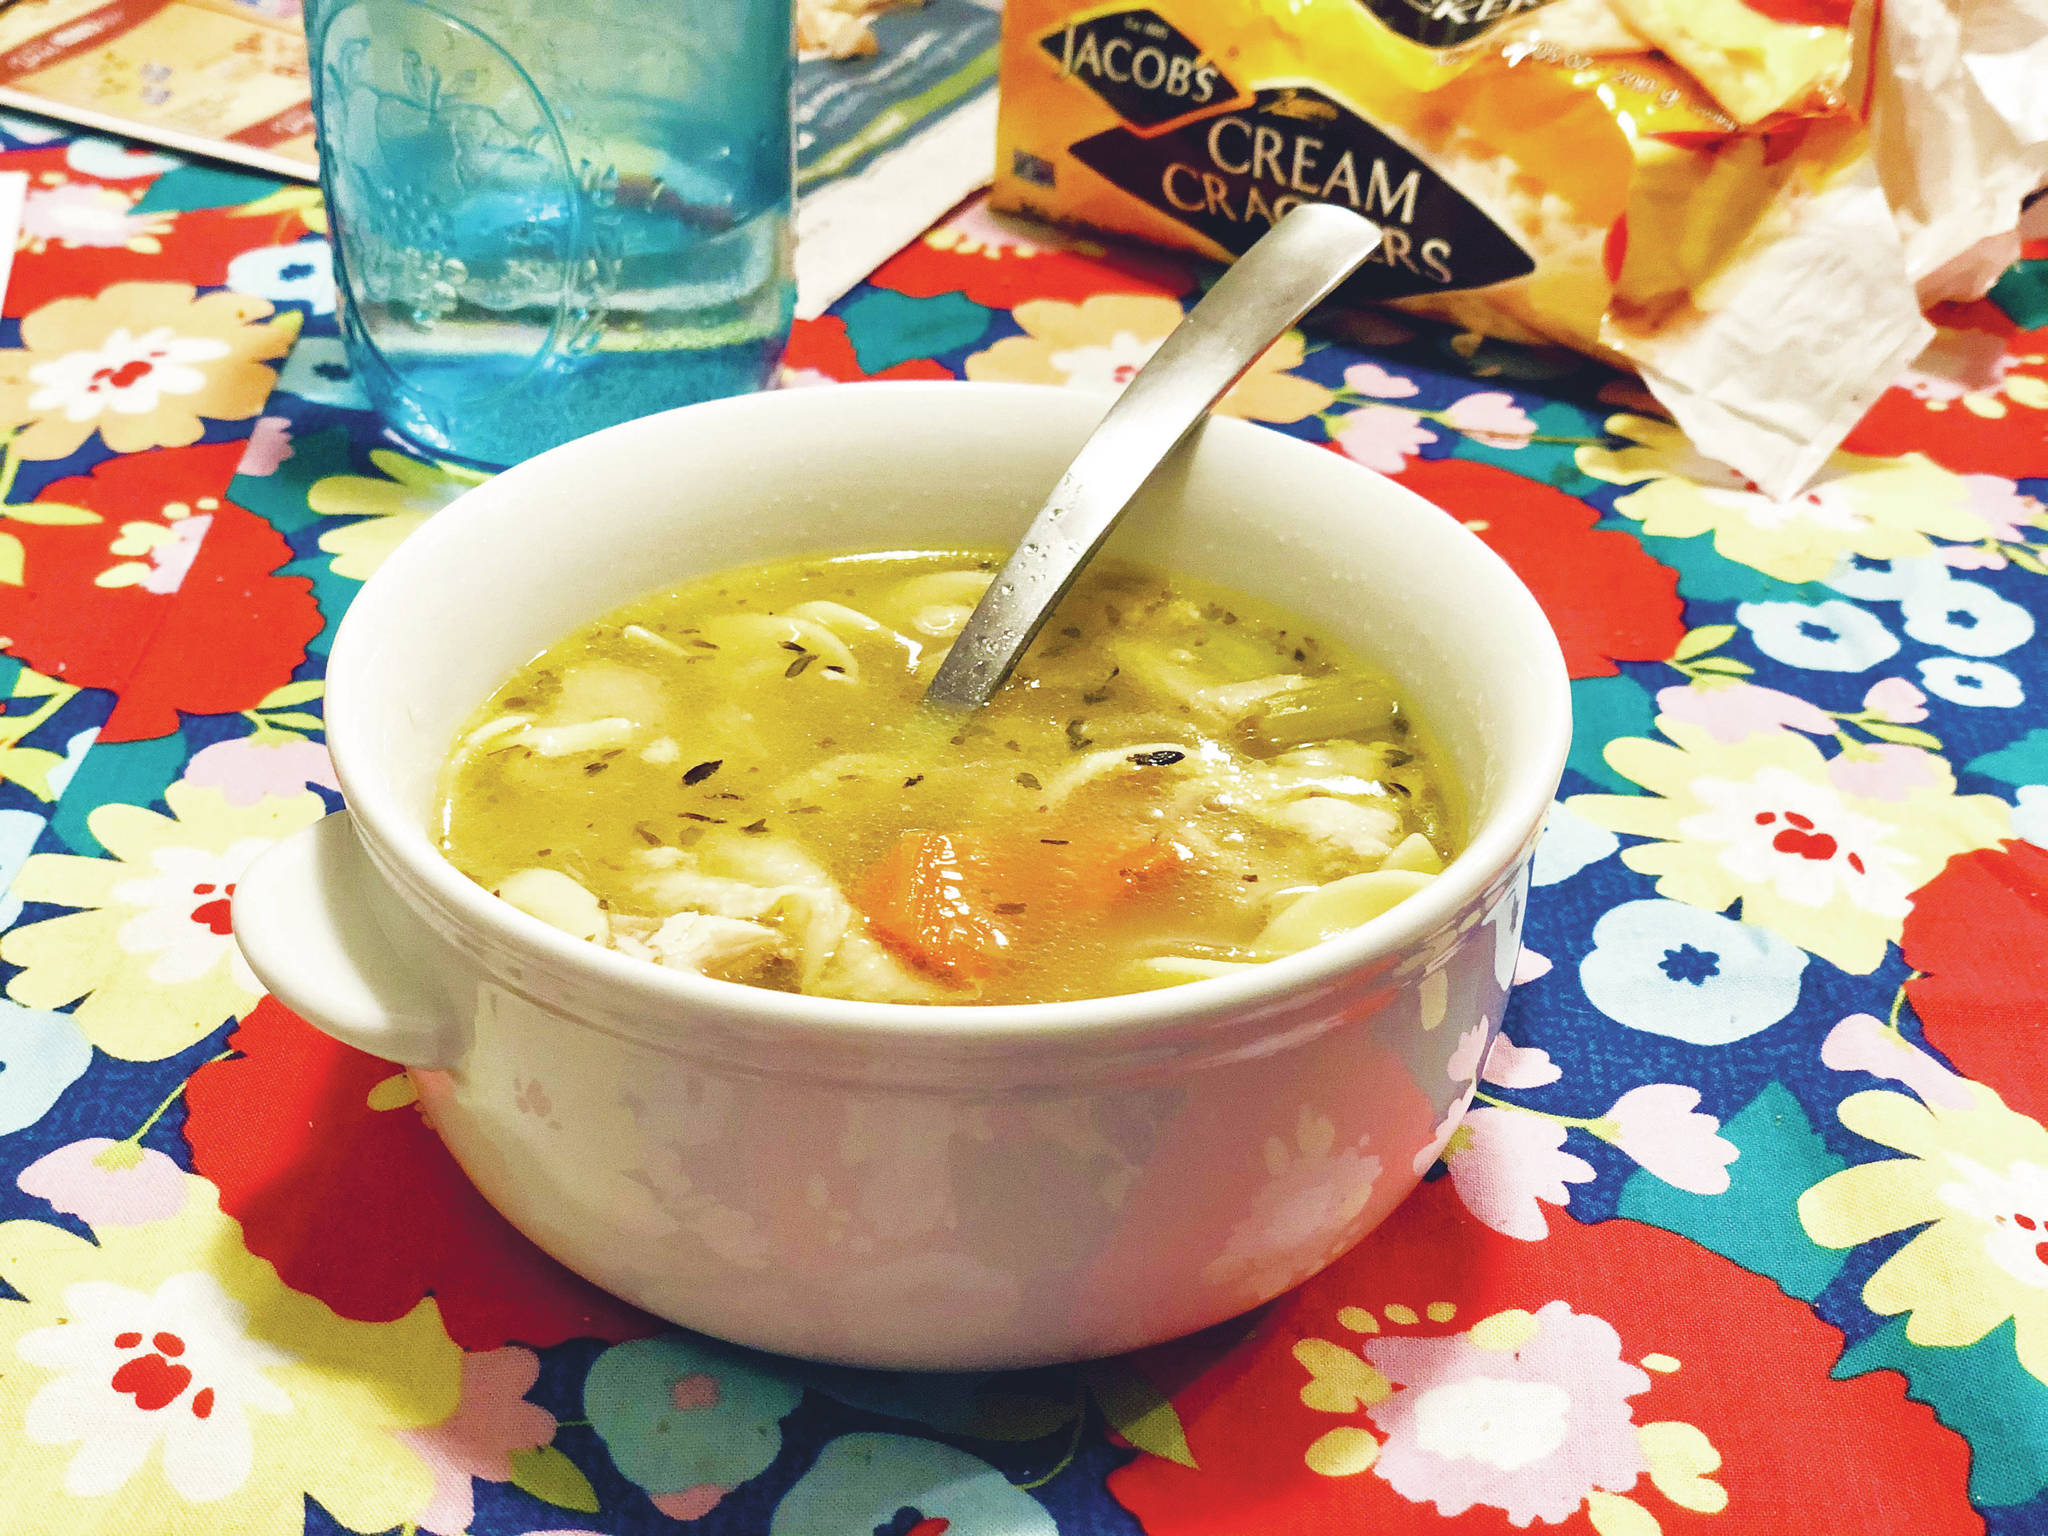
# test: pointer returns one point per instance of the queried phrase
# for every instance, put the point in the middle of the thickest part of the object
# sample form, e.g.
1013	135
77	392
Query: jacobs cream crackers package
1727	196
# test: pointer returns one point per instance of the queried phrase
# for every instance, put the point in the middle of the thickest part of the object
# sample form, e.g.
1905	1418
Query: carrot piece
1107	875
918	901
1086	876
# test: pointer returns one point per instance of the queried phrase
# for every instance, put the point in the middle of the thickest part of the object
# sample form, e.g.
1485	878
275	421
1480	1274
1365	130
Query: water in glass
553	215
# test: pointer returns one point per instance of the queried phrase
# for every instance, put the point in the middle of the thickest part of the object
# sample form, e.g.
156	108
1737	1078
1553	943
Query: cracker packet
1744	201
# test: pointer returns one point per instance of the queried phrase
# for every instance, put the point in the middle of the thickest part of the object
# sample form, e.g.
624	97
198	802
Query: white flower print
77	215
1524	1413
1108	367
1505	1424
127	374
287	274
1886	581
2030	813
1979	684
1966	617
1829	505
183	916
139	1371
1782	830
1821	637
2012	1204
1668	968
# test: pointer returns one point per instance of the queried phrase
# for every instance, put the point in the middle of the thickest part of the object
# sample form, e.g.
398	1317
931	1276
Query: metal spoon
1291	269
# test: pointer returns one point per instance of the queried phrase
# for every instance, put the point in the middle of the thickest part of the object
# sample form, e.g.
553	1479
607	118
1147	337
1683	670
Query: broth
737	778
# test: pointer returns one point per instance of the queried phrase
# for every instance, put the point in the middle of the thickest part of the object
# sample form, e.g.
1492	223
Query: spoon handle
1291	269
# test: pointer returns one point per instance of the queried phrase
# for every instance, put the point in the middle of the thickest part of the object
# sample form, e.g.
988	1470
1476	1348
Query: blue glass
554	215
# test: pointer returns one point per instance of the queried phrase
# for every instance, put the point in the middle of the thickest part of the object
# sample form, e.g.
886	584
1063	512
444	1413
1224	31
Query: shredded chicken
784	887
705	943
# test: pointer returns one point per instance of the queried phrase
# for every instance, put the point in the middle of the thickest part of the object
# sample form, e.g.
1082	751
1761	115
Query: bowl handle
303	923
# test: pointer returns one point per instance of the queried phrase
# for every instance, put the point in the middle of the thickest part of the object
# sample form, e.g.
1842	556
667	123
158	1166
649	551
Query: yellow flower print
1760	821
1975	1177
390	508
150	951
1102	342
1881	509
1540	1400
306	202
977	230
1973	369
165	1380
140	364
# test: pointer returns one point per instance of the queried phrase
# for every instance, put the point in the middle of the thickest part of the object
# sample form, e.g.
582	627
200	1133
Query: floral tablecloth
1746	1232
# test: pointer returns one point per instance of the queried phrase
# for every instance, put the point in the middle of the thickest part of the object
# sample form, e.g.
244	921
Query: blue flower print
18	833
41	1054
287	274
27	130
1983	684
1666	968
892	1485
1821	637
112	161
1569	844
687	1419
318	371
74	755
1966	617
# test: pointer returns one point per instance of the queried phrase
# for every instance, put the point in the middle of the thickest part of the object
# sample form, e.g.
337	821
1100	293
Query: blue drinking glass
554	215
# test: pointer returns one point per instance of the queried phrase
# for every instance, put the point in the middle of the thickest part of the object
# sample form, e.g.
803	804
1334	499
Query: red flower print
1002	261
821	347
1976	402
321	1154
1979	929
170	599
80	234
1445	1378
198	247
1608	600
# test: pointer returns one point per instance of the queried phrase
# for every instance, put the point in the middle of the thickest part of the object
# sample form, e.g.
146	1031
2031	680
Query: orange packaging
1688	188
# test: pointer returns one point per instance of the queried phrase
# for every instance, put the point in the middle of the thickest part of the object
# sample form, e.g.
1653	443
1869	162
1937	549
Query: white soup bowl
885	1184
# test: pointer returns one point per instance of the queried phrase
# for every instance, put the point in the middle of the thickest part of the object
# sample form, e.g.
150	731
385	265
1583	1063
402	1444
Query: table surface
1747	1232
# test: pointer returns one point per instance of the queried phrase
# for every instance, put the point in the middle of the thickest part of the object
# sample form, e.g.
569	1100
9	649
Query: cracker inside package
1693	189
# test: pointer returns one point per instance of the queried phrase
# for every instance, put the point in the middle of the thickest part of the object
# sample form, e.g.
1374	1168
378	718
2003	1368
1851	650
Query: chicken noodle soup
737	778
